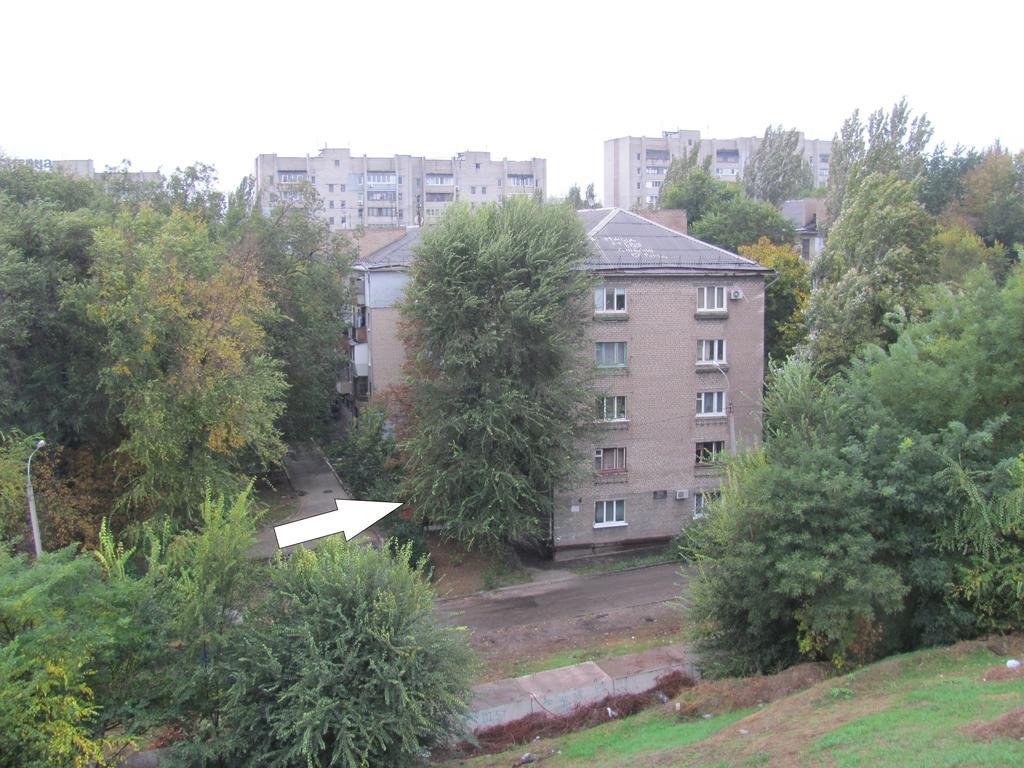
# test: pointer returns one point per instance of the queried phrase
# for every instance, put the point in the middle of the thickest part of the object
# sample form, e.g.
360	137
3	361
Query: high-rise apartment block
396	191
635	166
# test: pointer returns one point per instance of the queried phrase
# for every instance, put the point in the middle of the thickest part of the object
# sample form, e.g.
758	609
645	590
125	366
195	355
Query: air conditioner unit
736	294
683	493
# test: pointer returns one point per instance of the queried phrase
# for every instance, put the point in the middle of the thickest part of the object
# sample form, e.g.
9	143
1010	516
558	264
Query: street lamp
32	501
732	423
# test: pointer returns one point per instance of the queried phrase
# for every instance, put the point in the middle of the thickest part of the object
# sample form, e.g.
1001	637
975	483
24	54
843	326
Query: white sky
166	84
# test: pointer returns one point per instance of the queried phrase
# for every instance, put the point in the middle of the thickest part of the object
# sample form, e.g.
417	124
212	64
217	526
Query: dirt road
580	611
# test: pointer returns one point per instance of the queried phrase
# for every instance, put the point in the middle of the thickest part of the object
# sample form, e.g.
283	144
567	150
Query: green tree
496	316
304	269
367	457
184	363
895	143
578	202
777	170
341	663
877	256
695	190
739	220
993	198
786	296
960	251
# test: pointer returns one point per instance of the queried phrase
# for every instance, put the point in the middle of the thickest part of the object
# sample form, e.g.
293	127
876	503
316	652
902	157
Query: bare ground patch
1009	726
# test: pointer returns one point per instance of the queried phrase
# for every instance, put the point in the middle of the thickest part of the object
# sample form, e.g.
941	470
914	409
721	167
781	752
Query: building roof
400	253
625	240
619	240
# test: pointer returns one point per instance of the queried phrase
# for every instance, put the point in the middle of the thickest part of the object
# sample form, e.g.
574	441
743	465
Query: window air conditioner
736	294
683	493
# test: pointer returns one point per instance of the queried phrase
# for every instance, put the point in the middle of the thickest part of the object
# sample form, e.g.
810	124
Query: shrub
341	663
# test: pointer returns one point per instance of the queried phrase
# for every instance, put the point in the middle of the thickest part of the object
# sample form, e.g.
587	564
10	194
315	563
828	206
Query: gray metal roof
397	254
619	239
625	240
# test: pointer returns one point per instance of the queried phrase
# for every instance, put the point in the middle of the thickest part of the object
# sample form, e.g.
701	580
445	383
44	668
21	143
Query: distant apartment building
635	166
808	217
82	168
396	191
677	343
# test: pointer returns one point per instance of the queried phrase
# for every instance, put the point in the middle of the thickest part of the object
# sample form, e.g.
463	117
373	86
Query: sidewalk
317	485
558	691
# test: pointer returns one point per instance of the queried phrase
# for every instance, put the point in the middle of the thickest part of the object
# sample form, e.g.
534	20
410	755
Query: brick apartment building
677	340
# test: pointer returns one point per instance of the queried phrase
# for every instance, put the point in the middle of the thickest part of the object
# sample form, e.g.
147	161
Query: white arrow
351	518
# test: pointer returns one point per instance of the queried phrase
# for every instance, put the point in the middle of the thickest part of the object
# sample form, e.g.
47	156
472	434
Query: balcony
360	334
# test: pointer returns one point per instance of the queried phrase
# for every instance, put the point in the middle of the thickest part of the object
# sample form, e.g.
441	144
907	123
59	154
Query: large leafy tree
695	190
786	296
496	317
877	257
777	170
738	220
184	361
886	509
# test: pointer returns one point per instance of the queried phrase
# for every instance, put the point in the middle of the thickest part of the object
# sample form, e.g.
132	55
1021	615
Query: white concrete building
635	166
396	191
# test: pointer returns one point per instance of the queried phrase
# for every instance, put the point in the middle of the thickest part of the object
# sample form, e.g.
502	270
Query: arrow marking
352	517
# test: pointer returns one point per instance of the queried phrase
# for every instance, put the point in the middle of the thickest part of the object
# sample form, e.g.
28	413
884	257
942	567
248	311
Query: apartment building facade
635	166
395	191
677	343
85	169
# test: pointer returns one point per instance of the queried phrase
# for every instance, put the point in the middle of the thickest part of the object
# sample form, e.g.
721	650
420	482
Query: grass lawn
921	709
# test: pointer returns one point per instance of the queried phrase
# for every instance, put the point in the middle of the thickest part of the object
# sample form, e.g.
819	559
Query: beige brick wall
660	383
387	355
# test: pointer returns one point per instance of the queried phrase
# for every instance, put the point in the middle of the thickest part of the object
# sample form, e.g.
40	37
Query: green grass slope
927	709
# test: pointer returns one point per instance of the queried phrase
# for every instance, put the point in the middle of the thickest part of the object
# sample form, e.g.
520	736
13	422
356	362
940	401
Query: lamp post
728	407
32	501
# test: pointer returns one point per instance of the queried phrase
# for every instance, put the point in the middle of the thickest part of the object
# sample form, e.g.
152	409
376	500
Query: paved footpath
312	477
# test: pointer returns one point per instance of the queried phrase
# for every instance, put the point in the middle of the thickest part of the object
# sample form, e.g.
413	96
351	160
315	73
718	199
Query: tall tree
895	143
877	257
496	318
786	296
777	170
696	191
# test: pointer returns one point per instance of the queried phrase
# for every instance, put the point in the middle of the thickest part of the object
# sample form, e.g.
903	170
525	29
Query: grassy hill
956	706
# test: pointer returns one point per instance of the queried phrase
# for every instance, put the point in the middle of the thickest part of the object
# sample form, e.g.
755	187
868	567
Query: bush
403	532
341	663
367	458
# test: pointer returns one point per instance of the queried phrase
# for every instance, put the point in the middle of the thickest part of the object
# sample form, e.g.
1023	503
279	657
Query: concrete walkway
559	691
317	485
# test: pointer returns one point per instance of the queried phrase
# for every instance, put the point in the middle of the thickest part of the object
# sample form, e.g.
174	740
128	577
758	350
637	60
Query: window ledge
710	416
711	314
611	316
711	367
617	476
611	525
612	423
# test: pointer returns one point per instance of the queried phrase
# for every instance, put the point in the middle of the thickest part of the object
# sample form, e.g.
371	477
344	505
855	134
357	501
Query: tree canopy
777	170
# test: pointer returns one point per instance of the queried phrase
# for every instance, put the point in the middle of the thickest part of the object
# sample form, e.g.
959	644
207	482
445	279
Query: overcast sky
167	84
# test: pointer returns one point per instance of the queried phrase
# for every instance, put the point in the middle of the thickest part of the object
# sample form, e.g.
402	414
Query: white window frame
715	398
711	351
440	180
599	345
617	453
617	508
701	500
612	408
717	295
606	293
714	454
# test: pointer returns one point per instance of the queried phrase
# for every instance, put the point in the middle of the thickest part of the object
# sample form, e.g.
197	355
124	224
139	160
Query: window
710	351
483	190
380	212
330	187
380	178
341	203
312	179
611	354
612	408
609	299
381	196
472	190
478	166
291	177
520	179
337	163
711	298
711	403
341	187
331	220
653	184
727	156
709	451
440	179
330	203
702	501
611	512
610	460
